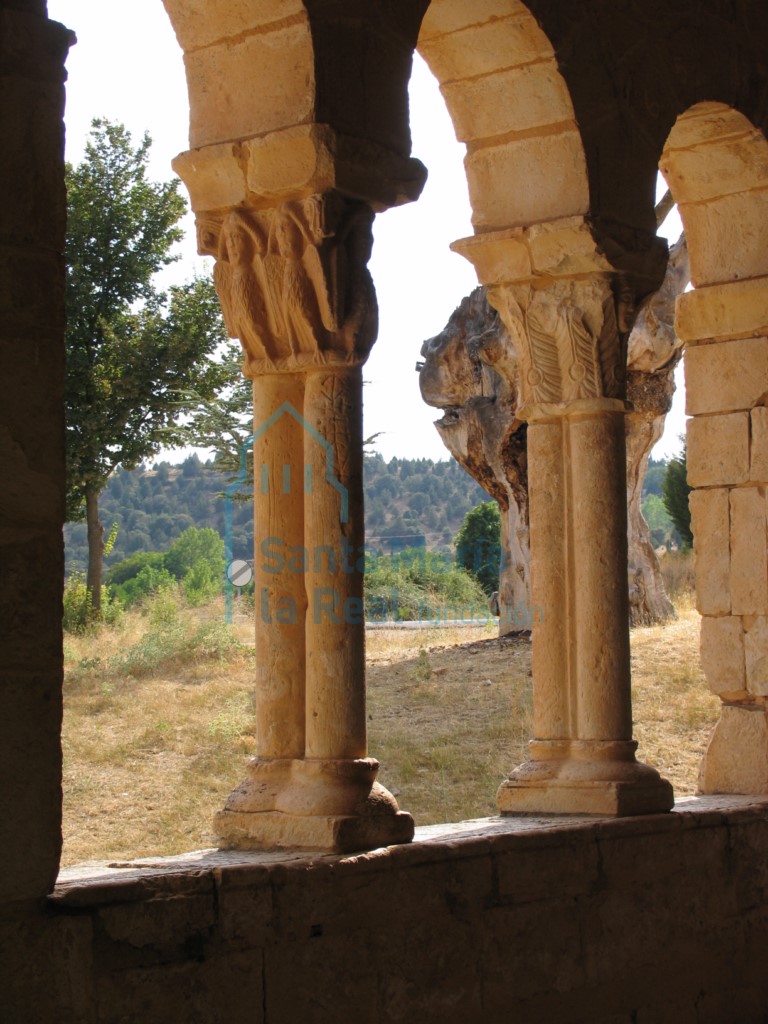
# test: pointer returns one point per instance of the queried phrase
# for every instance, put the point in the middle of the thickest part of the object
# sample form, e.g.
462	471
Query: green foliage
154	505
130	567
77	603
132	351
675	491
661	527
416	584
193	547
478	545
149	580
654	476
195	560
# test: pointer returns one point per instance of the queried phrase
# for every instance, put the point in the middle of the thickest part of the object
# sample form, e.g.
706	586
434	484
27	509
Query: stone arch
716	164
511	107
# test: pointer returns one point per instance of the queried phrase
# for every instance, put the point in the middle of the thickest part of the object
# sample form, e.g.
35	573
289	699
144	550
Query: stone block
726	238
277	67
482	49
758	466
736	309
756	655
722	656
718	450
214	176
528	180
717	168
513	100
710	522
726	376
736	760
749	552
200	23
704	123
454	15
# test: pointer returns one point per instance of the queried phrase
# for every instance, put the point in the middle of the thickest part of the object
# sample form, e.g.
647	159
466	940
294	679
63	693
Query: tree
132	351
478	544
675	490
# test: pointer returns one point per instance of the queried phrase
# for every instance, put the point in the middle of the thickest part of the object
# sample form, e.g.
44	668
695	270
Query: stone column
279	591
336	721
572	363
725	327
291	273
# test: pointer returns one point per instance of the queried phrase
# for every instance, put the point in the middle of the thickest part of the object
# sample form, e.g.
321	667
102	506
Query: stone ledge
107	882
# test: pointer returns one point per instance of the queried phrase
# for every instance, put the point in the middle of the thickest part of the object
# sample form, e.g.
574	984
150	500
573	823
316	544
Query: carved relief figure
242	280
294	283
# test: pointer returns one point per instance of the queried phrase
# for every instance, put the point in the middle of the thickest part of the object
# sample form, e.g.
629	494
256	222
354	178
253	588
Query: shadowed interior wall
32	52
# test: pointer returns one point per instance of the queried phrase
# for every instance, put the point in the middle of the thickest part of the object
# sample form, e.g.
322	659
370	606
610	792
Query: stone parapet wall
498	920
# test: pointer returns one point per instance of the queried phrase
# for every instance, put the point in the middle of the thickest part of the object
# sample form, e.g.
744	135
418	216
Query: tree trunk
95	550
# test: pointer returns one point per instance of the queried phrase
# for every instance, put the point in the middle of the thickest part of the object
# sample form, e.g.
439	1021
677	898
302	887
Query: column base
577	785
335	806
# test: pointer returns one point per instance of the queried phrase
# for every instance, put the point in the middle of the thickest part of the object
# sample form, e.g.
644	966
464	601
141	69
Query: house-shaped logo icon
286	478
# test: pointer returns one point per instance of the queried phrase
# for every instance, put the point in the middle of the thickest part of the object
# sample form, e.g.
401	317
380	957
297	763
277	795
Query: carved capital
293	282
570	339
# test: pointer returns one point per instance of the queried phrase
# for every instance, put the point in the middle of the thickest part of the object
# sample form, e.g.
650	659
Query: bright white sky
127	67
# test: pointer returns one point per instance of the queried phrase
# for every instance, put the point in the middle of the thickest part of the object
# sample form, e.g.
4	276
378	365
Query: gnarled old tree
470	372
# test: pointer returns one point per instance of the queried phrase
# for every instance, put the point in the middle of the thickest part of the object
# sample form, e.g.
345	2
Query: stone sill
98	883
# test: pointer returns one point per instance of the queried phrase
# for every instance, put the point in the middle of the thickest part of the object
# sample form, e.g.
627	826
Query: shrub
77	609
416	584
150	580
478	544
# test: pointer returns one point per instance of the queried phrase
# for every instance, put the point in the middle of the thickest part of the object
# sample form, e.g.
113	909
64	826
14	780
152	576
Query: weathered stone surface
749	552
726	376
756	655
484	48
449	16
758	465
480	107
733	310
222	79
722	656
202	22
737	757
562	192
737	163
710	523
725	237
706	122
718	450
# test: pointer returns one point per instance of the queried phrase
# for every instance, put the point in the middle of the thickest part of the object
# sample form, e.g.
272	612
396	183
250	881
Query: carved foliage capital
567	338
293	282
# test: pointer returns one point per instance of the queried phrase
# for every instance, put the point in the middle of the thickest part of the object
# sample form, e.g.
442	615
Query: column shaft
279	581
335	628
550	654
599	578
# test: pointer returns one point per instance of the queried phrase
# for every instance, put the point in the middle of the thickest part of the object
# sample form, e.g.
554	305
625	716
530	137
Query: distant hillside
405	499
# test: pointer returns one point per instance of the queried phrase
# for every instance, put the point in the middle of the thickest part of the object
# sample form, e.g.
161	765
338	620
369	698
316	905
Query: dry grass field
158	722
